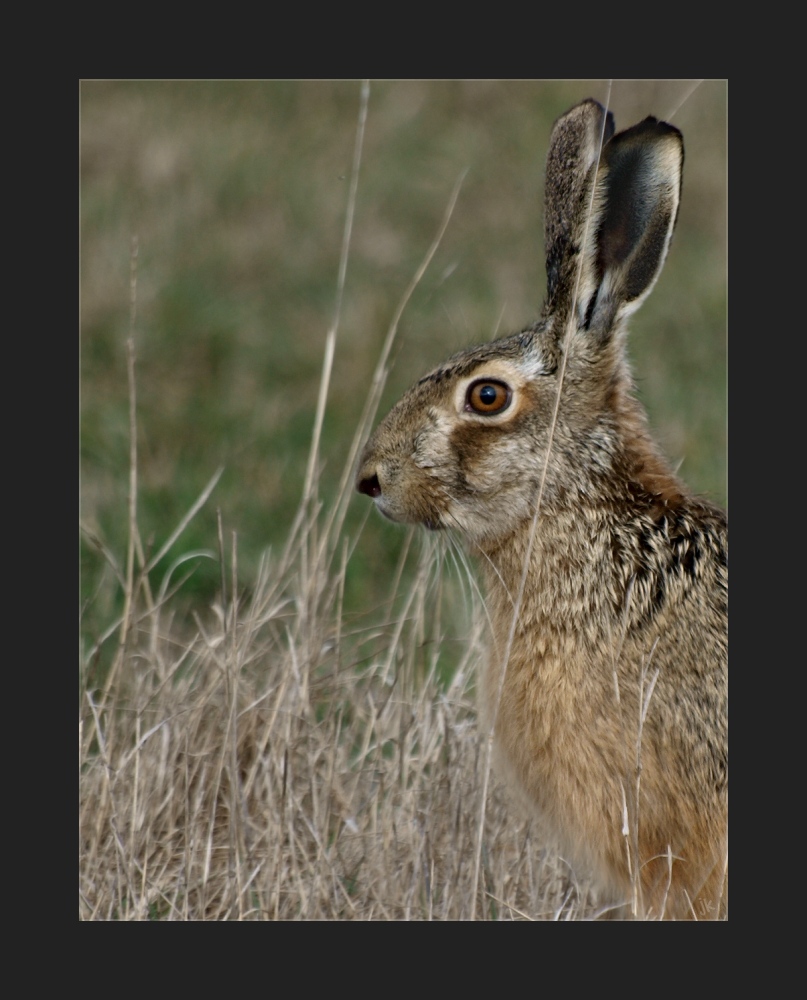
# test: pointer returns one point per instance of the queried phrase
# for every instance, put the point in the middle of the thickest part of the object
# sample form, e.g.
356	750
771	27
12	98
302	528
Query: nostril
370	486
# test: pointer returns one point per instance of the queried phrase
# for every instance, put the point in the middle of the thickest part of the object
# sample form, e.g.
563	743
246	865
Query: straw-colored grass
280	763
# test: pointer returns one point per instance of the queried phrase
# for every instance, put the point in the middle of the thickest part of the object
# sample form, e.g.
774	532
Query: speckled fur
626	582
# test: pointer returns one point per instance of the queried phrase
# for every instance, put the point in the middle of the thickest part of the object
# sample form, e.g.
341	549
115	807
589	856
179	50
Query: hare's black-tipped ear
638	190
574	149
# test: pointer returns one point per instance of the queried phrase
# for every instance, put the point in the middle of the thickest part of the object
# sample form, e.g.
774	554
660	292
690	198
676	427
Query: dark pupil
488	395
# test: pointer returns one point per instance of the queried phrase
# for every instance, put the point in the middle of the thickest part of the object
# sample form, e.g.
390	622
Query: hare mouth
430	523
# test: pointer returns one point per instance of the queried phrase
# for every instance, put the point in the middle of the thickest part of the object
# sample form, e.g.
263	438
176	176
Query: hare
606	682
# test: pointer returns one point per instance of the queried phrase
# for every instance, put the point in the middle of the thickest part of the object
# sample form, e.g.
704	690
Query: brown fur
606	681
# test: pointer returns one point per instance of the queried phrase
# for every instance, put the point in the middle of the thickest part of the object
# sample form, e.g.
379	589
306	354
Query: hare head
602	568
469	446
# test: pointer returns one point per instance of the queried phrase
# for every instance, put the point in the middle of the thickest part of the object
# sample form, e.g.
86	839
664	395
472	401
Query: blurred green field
236	192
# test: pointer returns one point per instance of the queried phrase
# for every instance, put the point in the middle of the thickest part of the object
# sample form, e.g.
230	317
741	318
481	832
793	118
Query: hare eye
488	397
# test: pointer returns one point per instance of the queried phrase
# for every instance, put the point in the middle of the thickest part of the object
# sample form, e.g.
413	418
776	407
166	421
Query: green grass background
237	193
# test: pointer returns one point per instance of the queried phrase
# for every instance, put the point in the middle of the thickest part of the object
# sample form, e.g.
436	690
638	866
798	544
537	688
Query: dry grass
274	765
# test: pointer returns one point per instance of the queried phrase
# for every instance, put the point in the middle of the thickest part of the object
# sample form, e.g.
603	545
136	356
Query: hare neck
556	573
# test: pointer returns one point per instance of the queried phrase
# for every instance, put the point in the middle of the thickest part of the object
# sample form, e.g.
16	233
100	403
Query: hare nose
369	486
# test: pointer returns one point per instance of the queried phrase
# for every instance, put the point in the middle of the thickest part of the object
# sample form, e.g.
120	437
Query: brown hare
606	680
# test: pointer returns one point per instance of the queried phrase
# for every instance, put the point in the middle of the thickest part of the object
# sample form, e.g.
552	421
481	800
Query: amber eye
488	397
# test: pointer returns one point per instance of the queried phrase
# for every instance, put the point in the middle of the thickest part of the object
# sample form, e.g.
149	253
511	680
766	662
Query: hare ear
638	191
574	149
